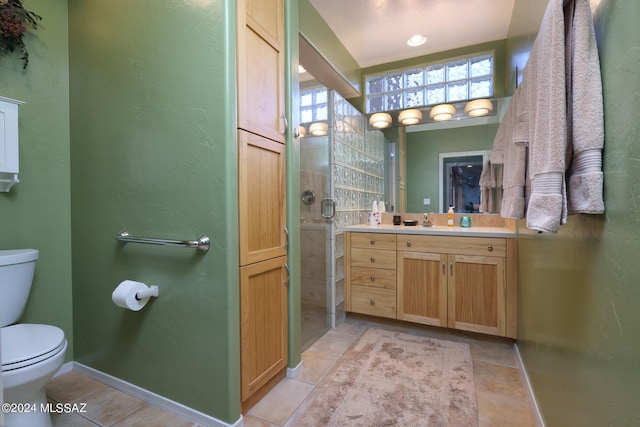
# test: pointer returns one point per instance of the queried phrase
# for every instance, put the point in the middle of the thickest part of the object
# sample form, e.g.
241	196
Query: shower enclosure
341	174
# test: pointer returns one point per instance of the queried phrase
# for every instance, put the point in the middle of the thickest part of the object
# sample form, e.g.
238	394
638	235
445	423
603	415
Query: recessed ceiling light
417	40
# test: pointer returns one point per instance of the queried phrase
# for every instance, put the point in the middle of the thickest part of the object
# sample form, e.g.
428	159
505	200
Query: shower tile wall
357	165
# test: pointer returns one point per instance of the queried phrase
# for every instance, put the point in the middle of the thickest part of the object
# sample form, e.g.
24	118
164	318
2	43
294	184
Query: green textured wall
423	149
153	151
579	323
36	212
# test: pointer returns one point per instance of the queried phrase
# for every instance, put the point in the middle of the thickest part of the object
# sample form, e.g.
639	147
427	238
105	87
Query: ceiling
376	31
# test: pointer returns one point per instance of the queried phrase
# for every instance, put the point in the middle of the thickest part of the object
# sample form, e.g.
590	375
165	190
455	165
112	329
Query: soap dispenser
450	216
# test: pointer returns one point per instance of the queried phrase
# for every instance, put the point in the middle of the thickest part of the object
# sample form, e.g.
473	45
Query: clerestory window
452	81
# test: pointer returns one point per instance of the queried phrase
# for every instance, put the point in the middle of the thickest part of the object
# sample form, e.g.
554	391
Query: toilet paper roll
125	295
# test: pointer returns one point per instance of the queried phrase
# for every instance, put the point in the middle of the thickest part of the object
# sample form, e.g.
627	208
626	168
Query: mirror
418	186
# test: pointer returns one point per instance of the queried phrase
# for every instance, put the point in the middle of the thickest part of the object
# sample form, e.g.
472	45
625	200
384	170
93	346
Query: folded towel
545	94
585	116
513	157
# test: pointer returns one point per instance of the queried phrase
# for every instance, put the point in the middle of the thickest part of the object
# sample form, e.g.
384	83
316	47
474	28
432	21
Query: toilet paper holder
152	291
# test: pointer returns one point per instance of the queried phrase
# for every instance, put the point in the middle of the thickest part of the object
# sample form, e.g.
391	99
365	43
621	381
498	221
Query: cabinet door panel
262	198
263	323
260	63
422	288
477	294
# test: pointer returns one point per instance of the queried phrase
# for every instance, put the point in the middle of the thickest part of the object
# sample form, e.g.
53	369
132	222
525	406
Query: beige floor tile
497	353
250	421
495	410
70	420
316	365
281	402
150	415
108	406
498	379
72	386
333	343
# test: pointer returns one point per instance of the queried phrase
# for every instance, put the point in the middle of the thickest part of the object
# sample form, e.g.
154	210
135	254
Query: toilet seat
27	344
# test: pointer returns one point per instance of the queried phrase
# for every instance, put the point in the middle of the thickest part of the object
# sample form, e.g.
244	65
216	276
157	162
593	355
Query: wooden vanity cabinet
465	283
370	269
457	282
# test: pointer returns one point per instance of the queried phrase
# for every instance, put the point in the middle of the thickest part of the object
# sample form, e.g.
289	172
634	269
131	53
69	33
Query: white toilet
30	353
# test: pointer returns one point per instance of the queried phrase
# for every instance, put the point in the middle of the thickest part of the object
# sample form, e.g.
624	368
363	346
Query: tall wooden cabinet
261	197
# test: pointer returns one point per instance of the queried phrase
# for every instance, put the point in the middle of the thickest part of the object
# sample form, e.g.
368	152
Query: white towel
544	84
513	157
585	116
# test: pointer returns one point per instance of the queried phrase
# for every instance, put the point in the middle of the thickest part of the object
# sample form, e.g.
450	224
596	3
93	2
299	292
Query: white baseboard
148	396
294	372
532	397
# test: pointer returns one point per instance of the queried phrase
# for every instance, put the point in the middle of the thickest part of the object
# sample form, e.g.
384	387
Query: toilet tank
16	274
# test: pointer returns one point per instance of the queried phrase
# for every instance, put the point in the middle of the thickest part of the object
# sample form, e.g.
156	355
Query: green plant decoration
14	20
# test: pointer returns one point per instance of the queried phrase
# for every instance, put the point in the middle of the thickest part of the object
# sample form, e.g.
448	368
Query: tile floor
502	398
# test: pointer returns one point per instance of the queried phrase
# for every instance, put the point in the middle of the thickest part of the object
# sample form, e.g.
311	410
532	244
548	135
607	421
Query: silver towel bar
202	243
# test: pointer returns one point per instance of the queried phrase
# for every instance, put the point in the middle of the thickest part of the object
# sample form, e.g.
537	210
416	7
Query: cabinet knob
372	278
373	242
490	248
373	259
409	243
372	302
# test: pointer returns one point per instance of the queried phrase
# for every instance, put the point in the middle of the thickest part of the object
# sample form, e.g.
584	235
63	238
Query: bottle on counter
450	216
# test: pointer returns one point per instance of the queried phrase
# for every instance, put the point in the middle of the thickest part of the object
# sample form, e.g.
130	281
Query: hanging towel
544	84
585	116
487	183
513	158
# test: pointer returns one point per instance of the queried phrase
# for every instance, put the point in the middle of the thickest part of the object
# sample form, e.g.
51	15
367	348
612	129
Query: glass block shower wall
357	165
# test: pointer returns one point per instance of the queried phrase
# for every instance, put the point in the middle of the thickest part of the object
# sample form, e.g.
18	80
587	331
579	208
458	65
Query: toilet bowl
30	354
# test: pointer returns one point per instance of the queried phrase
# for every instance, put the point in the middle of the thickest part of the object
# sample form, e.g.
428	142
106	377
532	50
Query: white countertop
434	231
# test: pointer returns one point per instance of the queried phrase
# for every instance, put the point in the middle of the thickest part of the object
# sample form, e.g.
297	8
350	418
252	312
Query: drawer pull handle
373	259
409	243
372	278
373	242
372	302
490	248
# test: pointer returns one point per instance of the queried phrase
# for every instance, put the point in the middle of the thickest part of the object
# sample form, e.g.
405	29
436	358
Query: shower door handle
328	208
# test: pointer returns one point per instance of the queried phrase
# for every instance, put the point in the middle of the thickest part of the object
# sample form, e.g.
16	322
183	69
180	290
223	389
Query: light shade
380	120
319	129
442	112
302	131
478	107
410	117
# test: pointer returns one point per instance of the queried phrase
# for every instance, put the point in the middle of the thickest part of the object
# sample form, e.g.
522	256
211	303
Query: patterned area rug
395	379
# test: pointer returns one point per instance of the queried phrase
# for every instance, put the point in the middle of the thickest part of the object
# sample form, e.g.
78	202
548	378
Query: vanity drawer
451	244
373	277
373	301
374	258
373	240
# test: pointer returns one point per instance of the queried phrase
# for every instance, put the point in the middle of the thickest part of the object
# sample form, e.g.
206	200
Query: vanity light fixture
302	131
442	112
410	117
380	120
417	40
319	129
478	107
